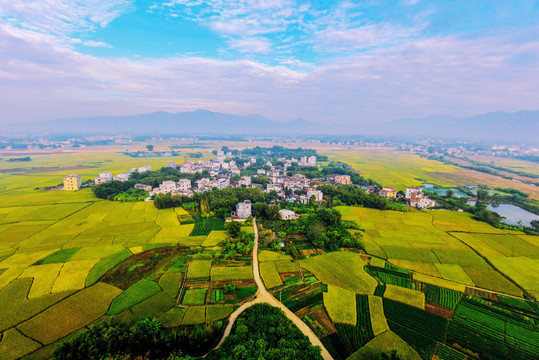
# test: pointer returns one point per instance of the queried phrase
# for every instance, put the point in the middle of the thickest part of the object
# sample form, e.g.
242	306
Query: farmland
428	284
450	246
401	169
62	251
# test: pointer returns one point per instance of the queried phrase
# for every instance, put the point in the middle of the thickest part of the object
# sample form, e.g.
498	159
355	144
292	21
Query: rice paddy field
393	168
62	253
401	169
451	246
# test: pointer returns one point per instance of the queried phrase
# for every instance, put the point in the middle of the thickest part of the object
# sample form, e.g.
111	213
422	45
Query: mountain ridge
522	125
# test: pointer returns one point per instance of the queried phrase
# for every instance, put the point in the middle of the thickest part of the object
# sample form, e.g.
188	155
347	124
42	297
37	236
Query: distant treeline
20	159
276	152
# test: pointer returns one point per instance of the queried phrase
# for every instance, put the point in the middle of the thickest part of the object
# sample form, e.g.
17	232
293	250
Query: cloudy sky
351	62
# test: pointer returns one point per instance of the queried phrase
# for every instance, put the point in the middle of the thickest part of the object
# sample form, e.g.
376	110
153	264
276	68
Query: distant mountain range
518	126
158	123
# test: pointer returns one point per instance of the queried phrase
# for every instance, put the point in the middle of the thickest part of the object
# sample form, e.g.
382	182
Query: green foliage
135	294
131	195
263	331
246	291
353	195
234	229
112	339
112	188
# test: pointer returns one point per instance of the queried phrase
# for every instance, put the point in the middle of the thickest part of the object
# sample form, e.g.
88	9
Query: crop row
444	352
217	295
314	298
441	296
416	338
354	337
389	276
335	346
420	321
479	340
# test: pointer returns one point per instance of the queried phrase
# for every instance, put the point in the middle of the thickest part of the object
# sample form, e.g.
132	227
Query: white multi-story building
243	210
276	187
419	200
144	168
261	171
122	176
318	195
220	183
220	155
203	183
412	190
245	180
168	186
311	161
171	164
104	177
184	185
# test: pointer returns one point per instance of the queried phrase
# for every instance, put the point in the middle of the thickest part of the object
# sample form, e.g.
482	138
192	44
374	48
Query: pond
512	214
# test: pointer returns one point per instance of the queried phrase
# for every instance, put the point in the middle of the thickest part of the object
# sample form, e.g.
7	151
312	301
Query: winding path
263	296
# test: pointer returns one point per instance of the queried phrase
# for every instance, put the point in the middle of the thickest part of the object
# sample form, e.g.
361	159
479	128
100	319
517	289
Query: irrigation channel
263	296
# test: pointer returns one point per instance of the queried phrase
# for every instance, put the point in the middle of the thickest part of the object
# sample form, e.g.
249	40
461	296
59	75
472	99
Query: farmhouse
419	200
388	192
343	179
287	214
243	210
122	176
144	187
184	185
412	190
104	177
72	182
318	195
144	168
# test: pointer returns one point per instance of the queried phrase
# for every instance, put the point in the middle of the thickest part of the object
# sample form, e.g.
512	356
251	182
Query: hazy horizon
338	63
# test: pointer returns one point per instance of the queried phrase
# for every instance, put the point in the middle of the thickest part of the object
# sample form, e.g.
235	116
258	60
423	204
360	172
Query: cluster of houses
244	211
299	188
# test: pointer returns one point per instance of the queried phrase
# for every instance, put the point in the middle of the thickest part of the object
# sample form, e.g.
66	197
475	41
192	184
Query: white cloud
62	17
251	45
416	78
92	43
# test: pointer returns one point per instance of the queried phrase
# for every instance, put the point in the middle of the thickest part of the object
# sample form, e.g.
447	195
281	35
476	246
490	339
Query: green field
393	168
194	297
342	269
269	274
199	269
449	246
385	342
340	305
231	273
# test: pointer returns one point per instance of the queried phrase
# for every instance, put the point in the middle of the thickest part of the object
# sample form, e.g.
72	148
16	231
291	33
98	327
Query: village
225	172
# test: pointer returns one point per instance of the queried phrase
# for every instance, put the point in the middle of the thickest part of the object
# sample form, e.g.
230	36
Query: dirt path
263	296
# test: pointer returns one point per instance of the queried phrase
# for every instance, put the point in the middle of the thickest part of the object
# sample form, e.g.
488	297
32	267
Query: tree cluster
112	188
352	195
264	332
154	178
146	338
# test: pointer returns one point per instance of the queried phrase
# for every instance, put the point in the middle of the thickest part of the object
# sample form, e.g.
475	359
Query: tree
482	195
449	194
234	229
149	147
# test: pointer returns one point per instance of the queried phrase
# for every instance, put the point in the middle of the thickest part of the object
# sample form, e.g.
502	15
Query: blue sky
353	62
